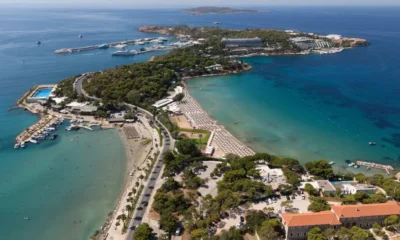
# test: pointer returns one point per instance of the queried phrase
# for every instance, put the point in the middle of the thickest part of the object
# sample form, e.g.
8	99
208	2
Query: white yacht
16	145
22	144
140	43
33	141
120	46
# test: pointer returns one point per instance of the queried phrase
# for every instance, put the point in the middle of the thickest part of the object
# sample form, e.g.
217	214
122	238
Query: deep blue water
296	106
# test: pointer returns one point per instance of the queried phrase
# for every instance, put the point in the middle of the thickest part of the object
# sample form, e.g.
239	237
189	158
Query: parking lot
298	203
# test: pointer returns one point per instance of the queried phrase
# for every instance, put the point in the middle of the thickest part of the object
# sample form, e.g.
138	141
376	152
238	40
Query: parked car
178	231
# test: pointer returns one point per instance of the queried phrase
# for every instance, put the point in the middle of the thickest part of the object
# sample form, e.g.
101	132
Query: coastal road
144	199
142	204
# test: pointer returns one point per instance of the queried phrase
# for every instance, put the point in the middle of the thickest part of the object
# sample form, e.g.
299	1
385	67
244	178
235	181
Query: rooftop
378	209
325	185
310	219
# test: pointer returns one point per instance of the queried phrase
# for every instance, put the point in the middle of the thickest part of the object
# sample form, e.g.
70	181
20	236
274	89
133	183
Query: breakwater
113	44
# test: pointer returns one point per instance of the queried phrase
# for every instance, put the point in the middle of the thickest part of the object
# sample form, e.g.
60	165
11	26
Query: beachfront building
162	102
353	189
305	43
334	36
215	67
241	42
323	186
363	216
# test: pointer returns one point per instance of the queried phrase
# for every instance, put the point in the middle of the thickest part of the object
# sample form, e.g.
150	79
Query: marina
121	44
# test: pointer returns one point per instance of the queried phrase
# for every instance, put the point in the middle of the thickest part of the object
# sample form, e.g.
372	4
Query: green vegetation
320	168
143	232
231	234
311	190
318	204
188	147
354	233
178	97
204	135
65	88
270	230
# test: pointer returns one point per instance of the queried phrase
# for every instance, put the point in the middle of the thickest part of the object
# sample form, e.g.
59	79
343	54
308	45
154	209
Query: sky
188	3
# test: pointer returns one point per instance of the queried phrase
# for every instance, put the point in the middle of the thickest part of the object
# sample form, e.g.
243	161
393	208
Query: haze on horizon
193	3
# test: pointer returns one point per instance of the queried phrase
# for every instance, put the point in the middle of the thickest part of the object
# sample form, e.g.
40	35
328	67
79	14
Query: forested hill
143	84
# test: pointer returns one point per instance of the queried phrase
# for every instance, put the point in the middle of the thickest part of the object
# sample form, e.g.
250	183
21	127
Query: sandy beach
136	161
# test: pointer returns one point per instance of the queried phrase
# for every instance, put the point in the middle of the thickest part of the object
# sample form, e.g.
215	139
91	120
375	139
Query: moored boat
16	145
54	136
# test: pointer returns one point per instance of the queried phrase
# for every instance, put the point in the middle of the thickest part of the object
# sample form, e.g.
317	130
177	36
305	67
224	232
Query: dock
387	168
45	122
105	45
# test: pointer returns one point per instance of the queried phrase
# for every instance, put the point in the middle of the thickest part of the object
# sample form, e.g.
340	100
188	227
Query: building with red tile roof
297	225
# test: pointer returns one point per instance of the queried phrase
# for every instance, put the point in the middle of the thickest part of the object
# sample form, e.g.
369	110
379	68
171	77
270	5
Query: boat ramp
387	168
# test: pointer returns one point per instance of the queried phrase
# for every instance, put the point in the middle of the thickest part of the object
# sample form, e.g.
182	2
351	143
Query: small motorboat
331	162
22	144
372	143
26	218
351	164
54	136
16	146
356	166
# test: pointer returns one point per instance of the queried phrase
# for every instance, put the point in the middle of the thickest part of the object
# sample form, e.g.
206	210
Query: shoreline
336	168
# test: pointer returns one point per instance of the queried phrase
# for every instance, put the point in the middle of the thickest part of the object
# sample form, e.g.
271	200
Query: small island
217	10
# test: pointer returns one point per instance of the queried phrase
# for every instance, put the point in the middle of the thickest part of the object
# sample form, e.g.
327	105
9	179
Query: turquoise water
296	106
66	186
43	93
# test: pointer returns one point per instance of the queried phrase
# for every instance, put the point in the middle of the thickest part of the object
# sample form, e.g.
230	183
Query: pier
29	133
387	168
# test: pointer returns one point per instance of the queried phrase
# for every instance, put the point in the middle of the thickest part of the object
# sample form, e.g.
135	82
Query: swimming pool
340	182
42	93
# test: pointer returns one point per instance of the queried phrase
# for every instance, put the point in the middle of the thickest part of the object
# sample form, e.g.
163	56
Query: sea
306	107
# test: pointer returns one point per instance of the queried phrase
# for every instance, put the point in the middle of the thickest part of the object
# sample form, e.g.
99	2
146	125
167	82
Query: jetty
387	168
36	129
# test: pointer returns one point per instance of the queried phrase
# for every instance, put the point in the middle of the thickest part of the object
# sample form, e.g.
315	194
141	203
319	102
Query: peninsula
250	42
179	158
217	10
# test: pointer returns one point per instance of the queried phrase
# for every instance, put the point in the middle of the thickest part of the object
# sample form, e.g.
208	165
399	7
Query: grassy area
134	202
199	141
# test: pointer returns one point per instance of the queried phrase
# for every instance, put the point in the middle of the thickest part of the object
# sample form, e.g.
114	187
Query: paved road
148	189
142	205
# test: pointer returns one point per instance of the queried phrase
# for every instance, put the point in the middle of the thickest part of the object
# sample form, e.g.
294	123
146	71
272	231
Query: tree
133	97
128	208
117	224
178	97
360	196
254	219
375	198
168	222
143	232
315	234
285	189
170	185
311	190
318	204
231	234
360	178
391	220
270	230
329	233
287	204
320	168
344	234
198	234
188	147
361	234
349	200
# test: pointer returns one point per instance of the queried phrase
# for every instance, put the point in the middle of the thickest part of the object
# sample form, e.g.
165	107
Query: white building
334	36
353	189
